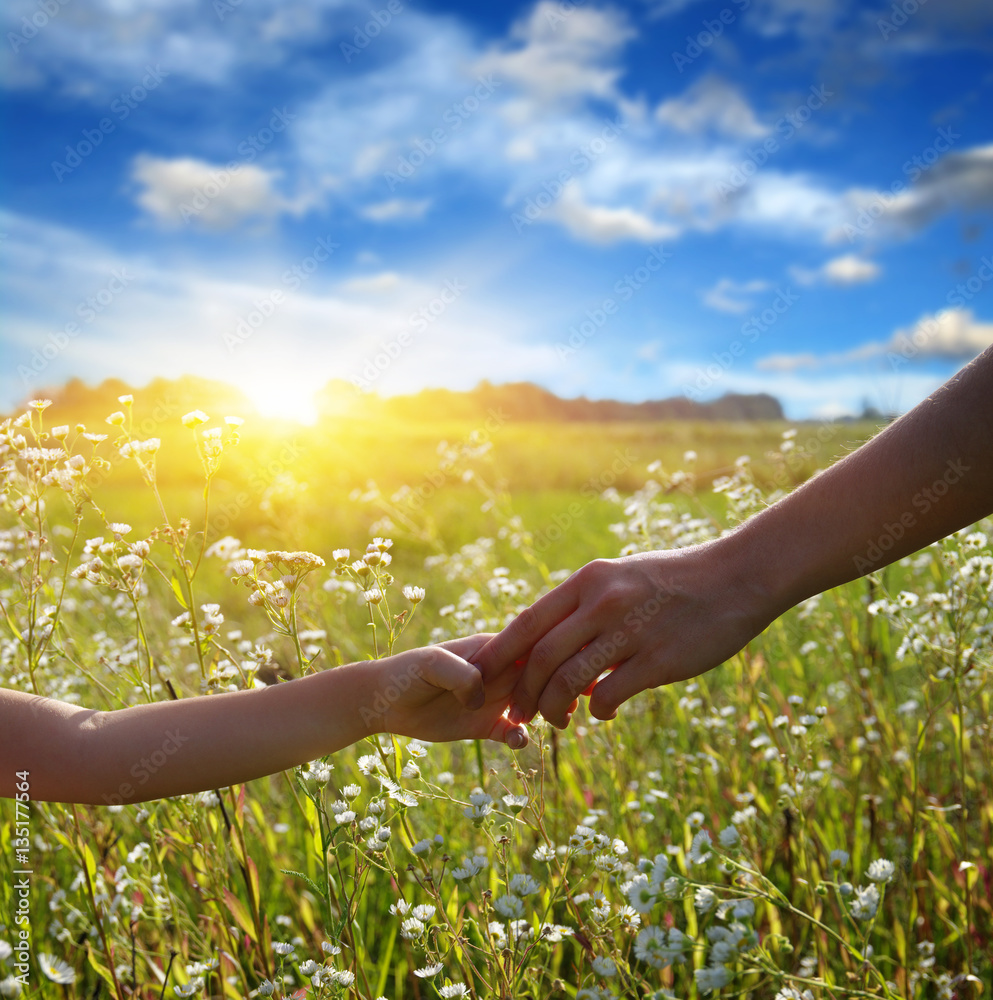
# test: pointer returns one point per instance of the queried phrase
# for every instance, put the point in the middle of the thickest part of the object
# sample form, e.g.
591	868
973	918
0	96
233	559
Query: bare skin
76	754
659	617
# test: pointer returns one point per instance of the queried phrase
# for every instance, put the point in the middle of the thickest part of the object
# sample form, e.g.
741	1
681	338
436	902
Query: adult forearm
926	475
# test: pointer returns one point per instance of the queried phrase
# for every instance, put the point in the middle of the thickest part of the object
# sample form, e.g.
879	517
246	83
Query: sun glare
281	399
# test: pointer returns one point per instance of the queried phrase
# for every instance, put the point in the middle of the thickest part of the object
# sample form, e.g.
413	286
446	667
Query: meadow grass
811	819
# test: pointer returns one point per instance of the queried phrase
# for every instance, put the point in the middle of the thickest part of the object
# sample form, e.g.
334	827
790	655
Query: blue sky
629	200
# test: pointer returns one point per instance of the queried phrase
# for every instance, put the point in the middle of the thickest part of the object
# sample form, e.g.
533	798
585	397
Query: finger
574	677
549	653
612	691
467	646
448	671
504	731
531	625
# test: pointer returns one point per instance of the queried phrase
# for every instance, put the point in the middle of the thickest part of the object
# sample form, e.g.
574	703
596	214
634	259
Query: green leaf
323	893
177	590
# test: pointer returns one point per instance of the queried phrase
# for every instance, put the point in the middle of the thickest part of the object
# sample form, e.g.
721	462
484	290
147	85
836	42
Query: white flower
838	859
194	419
704	899
330	948
10	986
543	853
651	946
695	819
413	594
865	902
604	966
523	885
309	967
881	870
266	988
428	971
711	978
515	803
411	929
282	947
342	977
729	837
642	894
455	990
195	985
509	907
423	911
700	848
56	970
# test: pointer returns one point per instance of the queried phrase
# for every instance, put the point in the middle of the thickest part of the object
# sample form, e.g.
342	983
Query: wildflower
515	803
699	852
604	966
330	948
881	870
704	899
194	986
543	853
838	859
729	837
342	977
194	419
509	907
411	929
56	970
10	986
523	885
865	903
40	405
413	594
309	967
652	947
455	990
642	894
283	948
266	988
695	819
428	971
318	771
711	978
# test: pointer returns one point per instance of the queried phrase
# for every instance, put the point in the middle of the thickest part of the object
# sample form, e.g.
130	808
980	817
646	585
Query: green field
859	722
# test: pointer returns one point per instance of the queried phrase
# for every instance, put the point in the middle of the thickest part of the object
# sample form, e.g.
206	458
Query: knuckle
542	658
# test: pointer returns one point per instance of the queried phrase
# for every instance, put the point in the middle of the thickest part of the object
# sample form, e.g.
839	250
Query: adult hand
654	617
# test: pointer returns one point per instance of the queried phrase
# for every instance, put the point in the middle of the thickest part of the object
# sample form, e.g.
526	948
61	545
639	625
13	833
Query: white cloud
848	269
733	296
187	190
600	224
953	334
396	208
712	104
562	54
948	335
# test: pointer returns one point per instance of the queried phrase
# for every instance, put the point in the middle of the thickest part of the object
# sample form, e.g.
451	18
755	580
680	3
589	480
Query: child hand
435	694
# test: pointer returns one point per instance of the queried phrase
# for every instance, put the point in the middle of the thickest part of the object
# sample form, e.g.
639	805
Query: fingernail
516	715
516	739
478	700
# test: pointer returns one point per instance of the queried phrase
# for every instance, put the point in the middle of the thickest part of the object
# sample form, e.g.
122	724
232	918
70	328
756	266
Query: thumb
504	731
450	672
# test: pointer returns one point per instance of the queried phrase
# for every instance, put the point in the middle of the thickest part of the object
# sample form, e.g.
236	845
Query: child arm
76	754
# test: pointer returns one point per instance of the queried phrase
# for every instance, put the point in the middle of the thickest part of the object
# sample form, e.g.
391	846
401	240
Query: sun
281	398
